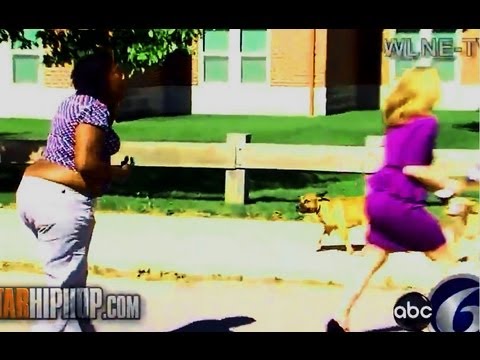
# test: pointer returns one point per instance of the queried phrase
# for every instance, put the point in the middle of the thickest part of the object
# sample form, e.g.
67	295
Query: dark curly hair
90	74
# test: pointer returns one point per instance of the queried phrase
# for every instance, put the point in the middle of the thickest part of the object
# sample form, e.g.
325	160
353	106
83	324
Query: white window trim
234	62
478	98
35	51
457	78
457	63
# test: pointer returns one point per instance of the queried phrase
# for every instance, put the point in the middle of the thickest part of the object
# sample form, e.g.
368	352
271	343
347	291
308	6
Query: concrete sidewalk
205	246
227	306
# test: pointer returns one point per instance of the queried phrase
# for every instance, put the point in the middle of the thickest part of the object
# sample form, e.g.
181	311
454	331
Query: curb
427	274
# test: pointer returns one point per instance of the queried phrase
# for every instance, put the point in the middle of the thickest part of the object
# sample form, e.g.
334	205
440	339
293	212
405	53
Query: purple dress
395	202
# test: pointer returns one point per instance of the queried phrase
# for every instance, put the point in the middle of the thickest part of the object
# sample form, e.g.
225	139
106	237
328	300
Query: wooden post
372	145
236	182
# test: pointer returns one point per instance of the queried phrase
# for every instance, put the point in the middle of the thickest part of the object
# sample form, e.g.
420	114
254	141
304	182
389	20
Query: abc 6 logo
453	306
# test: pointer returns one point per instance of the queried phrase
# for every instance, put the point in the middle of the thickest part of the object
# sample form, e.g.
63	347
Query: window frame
203	55
36	51
234	54
427	33
393	68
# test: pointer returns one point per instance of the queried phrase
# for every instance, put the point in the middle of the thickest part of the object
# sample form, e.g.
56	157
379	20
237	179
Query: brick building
265	71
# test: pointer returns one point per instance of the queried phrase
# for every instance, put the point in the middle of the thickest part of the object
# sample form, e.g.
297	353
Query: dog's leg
345	236
343	229
320	240
320	244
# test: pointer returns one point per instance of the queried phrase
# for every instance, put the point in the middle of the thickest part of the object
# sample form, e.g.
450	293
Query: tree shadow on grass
201	184
5	135
10	176
209	184
472	126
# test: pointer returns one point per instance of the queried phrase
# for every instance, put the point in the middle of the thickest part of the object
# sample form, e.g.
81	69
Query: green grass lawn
176	191
459	129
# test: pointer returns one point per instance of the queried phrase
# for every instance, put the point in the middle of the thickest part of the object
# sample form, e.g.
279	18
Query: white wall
454	96
39	102
25	100
29	101
255	100
32	101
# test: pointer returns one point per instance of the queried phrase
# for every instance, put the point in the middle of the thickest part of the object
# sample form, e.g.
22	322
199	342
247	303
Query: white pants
62	221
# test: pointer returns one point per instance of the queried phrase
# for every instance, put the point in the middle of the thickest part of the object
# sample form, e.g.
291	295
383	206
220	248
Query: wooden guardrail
238	154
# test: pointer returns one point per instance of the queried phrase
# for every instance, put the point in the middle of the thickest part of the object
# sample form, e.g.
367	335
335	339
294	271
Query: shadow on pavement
223	325
387	329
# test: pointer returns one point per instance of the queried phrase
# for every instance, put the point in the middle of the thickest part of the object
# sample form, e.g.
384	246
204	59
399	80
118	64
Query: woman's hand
453	187
474	174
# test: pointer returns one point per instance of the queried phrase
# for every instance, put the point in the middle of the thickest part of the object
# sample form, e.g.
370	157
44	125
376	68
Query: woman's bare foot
345	324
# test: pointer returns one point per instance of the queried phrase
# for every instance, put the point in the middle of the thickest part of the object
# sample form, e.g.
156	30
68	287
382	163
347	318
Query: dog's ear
473	207
322	194
471	202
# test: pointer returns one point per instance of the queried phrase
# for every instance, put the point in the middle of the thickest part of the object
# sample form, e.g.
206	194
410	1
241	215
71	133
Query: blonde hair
416	93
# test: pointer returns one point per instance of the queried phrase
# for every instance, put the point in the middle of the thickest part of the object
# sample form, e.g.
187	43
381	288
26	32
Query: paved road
200	246
244	307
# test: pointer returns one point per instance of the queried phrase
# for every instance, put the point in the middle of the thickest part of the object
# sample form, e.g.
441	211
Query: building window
253	48
216	55
25	68
26	62
235	56
445	66
404	64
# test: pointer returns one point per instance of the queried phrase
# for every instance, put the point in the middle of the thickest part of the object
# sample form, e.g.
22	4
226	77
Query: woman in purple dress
395	206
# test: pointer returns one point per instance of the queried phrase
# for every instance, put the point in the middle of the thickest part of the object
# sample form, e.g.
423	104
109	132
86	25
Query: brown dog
335	214
462	220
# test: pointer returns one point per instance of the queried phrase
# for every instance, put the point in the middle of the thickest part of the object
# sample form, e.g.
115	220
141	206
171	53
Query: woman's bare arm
433	178
89	142
428	175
